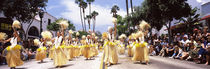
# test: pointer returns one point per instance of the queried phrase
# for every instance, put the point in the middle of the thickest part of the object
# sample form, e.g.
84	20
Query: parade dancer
70	48
13	52
121	45
130	46
60	55
141	49
86	50
41	51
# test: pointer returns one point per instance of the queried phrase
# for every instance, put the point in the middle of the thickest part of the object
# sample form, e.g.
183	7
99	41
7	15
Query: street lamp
41	14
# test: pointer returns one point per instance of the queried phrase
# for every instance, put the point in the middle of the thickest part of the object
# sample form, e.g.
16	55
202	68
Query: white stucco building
33	30
205	14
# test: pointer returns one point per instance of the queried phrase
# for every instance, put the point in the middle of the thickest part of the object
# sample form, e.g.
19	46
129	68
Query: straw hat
46	34
36	42
16	24
144	25
3	36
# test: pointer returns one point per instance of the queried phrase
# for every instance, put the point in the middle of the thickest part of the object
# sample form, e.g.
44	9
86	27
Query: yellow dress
111	52
60	57
70	52
41	53
86	51
141	52
95	49
13	56
121	48
138	54
76	51
130	51
51	53
145	51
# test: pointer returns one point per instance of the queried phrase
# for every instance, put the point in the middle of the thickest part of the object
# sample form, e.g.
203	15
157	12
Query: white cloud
103	20
202	1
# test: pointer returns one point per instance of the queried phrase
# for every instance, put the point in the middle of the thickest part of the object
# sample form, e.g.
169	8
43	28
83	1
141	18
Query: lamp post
41	14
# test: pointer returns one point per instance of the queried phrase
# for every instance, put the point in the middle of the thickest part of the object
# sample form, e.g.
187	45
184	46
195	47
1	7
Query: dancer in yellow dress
60	55
130	46
86	49
13	52
121	45
70	48
111	56
41	51
141	50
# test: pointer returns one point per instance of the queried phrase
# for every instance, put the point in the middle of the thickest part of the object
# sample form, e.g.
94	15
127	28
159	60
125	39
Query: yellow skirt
51	54
130	51
140	54
71	53
40	55
86	52
60	57
13	57
111	54
121	50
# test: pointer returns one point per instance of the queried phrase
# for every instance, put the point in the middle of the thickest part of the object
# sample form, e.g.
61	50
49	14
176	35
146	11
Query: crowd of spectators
193	46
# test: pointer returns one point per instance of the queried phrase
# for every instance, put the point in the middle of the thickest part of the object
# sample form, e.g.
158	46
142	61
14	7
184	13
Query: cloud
103	20
52	7
202	1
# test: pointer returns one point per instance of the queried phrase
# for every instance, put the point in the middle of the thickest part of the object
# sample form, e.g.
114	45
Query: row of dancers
63	48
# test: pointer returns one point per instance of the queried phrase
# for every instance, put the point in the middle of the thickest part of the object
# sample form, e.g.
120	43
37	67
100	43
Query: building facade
205	13
31	31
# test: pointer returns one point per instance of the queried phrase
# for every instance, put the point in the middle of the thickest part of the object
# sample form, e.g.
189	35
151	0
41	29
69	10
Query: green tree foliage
22	10
94	14
114	10
55	27
191	20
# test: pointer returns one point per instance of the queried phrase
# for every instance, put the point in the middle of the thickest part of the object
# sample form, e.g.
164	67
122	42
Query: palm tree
94	14
114	10
89	2
84	6
88	17
131	5
127	7
80	6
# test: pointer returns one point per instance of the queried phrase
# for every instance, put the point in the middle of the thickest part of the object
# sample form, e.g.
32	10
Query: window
49	21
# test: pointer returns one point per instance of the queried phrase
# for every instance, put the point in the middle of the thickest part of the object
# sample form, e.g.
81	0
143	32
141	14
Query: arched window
33	31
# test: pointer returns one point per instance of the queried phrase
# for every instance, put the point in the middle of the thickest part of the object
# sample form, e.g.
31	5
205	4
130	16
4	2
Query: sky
69	9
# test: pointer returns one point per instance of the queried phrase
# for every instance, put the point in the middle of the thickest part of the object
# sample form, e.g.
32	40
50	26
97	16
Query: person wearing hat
121	45
185	43
60	53
86	49
111	56
130	46
41	51
141	48
13	52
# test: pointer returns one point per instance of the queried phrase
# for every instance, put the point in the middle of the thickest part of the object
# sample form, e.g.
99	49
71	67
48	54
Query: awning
205	17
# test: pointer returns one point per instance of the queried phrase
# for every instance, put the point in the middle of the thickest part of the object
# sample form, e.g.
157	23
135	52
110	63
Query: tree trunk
89	23
128	14
94	24
127	7
169	32
84	19
89	8
81	18
131	5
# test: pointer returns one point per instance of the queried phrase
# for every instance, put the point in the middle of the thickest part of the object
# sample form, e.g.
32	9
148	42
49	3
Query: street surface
125	62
